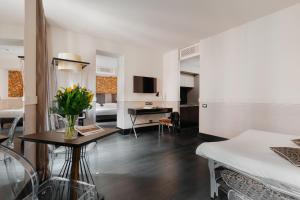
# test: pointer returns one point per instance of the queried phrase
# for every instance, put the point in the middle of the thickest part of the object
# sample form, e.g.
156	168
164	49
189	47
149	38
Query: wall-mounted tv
144	84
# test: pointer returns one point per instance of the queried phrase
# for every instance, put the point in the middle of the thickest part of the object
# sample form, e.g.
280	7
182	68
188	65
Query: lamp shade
65	65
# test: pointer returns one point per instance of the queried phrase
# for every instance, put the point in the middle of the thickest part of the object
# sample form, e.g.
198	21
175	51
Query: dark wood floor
151	168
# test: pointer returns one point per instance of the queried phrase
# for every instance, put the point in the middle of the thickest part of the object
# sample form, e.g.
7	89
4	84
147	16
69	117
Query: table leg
78	155
75	163
133	123
75	169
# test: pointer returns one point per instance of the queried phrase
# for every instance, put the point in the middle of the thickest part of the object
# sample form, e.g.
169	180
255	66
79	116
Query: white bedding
250	153
11	113
106	109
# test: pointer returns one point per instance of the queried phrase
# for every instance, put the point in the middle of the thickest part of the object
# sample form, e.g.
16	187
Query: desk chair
172	121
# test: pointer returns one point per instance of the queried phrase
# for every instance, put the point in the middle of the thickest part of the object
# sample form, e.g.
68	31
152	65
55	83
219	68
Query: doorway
107	68
189	92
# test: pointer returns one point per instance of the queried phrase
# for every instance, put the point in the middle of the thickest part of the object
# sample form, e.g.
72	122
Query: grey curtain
42	90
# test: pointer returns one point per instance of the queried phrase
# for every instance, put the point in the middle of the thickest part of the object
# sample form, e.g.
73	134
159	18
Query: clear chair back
57	122
18	178
12	132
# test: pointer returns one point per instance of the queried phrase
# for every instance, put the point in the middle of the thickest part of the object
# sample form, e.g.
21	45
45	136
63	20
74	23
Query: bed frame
274	185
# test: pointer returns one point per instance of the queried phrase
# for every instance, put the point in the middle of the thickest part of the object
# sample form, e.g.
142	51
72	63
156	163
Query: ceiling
166	23
157	23
12	12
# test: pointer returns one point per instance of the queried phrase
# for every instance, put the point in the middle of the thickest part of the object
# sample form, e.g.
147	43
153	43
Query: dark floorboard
150	167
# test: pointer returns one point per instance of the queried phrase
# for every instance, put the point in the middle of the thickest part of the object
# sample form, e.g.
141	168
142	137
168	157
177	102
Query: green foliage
73	100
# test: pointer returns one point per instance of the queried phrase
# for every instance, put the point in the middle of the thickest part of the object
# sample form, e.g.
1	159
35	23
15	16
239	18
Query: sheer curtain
42	77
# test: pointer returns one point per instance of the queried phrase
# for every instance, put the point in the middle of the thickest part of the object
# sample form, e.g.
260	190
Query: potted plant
71	102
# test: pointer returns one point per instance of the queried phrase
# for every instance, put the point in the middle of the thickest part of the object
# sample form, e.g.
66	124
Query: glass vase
70	132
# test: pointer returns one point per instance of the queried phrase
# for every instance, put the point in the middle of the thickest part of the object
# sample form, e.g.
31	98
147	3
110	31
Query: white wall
59	41
109	63
11	31
252	71
171	79
134	61
3	83
7	62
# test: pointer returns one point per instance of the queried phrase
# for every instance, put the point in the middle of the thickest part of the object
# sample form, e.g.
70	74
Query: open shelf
56	60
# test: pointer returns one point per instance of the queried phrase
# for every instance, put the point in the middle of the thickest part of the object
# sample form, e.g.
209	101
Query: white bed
11	113
250	153
106	109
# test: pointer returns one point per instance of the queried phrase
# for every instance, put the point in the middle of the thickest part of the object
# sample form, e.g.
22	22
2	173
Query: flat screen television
144	84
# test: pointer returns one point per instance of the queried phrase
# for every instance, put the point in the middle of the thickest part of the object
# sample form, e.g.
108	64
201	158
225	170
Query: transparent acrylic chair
17	175
58	188
12	132
58	123
19	181
11	135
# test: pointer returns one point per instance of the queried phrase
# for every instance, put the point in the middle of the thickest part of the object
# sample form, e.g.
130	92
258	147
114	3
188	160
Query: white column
30	76
171	79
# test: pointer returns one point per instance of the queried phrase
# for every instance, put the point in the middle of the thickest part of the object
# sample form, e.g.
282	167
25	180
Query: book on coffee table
88	130
288	153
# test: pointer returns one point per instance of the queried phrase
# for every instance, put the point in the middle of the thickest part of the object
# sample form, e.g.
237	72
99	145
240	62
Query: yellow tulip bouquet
71	102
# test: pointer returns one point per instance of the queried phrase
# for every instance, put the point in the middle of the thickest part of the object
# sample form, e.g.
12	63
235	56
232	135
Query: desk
76	145
134	112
